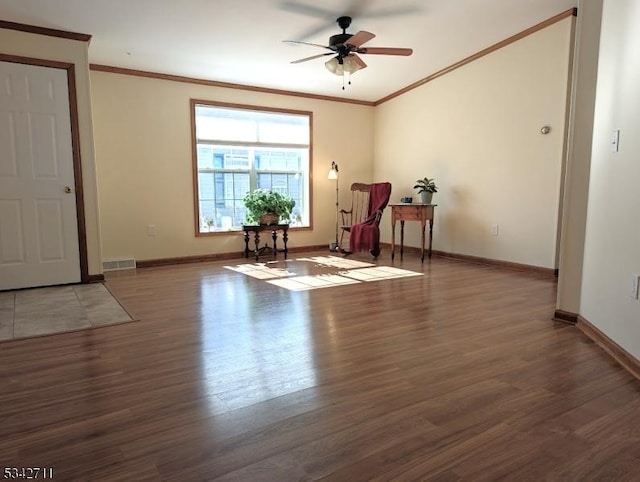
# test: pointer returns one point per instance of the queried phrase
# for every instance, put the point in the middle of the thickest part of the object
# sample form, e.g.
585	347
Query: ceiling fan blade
353	8
299	61
384	51
296	42
389	12
315	31
358	61
359	38
309	10
327	16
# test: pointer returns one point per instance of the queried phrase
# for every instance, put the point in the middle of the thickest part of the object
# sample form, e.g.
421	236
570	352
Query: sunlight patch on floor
261	271
379	273
347	272
336	262
305	283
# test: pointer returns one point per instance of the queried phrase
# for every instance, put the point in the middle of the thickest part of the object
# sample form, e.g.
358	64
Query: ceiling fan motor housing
339	39
344	22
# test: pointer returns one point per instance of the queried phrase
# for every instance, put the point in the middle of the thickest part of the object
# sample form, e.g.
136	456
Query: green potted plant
426	187
209	222
268	207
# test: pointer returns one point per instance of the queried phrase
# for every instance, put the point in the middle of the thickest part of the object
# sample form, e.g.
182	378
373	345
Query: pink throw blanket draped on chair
365	236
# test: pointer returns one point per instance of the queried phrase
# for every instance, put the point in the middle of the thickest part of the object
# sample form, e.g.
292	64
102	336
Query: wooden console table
257	229
411	212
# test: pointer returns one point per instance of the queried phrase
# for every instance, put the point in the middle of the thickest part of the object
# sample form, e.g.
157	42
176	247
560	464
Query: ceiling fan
346	48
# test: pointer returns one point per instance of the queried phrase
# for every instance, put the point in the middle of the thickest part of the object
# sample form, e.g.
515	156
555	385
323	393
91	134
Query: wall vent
119	263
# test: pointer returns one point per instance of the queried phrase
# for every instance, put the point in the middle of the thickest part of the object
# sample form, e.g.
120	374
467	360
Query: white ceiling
240	41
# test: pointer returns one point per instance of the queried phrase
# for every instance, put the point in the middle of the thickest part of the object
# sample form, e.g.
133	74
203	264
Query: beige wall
612	242
143	153
64	50
476	131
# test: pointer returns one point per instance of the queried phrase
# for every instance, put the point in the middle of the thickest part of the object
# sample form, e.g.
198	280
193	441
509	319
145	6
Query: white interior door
38	224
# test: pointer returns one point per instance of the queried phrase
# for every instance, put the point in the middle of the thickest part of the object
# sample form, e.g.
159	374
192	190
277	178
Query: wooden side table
257	229
411	212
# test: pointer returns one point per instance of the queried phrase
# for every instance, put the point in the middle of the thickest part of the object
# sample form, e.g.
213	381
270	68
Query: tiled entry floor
57	309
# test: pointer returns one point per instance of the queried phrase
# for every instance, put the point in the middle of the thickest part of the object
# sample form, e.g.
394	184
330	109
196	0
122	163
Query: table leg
274	236
430	235
256	251
401	238
246	244
393	238
285	237
422	251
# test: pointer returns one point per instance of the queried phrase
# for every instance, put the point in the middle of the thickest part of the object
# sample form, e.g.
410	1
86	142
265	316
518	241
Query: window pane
283	132
227	124
240	186
205	185
205	157
220	181
264	181
279	159
225	128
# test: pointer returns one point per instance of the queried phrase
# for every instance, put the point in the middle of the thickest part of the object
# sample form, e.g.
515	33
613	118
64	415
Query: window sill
232	232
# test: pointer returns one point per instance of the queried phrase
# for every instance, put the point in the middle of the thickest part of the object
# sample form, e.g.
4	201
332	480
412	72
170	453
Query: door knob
67	189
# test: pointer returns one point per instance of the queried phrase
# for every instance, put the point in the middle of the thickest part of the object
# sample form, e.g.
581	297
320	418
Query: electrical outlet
635	284
494	229
151	229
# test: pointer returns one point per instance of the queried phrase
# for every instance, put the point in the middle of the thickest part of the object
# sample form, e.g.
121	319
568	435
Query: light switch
634	287
615	141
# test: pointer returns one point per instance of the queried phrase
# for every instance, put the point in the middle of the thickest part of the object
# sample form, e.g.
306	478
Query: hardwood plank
459	374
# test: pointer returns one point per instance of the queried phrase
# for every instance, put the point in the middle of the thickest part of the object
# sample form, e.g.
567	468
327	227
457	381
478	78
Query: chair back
360	194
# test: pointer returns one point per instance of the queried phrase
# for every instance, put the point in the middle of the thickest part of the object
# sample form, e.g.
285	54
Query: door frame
75	147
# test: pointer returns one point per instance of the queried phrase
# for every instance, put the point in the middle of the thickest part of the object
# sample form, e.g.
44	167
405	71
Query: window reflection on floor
251	350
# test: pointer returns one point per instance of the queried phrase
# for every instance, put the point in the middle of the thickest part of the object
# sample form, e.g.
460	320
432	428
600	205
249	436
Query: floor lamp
333	174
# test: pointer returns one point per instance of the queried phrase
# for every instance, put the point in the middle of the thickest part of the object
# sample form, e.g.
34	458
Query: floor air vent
116	264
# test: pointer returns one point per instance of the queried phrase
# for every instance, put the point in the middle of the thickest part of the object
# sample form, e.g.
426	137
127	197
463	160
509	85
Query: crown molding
216	83
82	37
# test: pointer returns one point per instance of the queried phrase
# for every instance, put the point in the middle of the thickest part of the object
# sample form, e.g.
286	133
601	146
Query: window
239	149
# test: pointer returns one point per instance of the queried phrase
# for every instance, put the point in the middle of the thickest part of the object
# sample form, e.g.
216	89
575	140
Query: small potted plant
268	207
426	187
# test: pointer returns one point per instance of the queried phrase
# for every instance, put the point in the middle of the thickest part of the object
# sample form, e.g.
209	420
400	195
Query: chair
362	220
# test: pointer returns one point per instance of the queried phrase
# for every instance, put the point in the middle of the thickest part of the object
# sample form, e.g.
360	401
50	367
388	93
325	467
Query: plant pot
269	218
425	197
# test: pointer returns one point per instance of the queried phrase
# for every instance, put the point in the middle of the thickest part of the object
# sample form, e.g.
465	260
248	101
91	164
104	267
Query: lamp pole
333	174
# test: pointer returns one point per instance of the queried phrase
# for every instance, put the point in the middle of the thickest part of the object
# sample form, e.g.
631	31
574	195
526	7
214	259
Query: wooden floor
459	374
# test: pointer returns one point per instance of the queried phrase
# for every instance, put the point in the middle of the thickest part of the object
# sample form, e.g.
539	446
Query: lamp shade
333	173
339	65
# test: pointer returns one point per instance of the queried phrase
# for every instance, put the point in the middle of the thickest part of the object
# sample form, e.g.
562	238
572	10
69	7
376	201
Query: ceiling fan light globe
347	65
334	66
350	65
